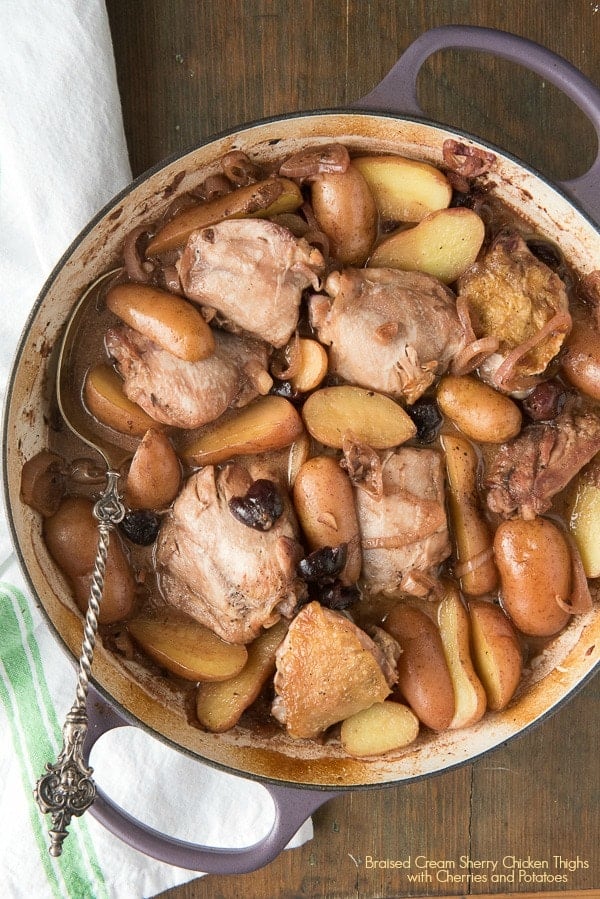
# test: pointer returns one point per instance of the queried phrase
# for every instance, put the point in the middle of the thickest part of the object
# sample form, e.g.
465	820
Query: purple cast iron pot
299	776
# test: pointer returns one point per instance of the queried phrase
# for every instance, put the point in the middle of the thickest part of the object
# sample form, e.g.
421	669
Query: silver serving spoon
67	788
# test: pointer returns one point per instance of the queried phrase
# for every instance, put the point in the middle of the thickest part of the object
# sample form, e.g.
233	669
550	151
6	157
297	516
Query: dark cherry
427	419
545	401
324	565
141	526
260	507
338	597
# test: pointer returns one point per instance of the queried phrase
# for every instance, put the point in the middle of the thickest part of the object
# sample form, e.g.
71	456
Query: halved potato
104	397
381	728
154	475
454	625
220	705
497	655
269	423
166	319
372	418
584	524
444	244
265	198
405	190
186	648
312	367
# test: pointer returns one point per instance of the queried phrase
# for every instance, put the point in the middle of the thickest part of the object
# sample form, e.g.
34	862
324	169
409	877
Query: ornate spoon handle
67	788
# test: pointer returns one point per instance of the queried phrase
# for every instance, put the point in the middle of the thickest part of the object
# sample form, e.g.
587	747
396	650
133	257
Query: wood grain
190	70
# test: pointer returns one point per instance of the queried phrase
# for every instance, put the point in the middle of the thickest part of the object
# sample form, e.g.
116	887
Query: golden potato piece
220	705
497	655
479	411
186	648
104	397
472	537
405	190
534	562
166	319
265	198
326	509
469	694
584	524
383	727
345	211
444	244
71	535
332	413
312	366
154	475
269	423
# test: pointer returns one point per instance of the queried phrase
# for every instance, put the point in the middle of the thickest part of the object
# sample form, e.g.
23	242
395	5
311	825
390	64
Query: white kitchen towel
62	157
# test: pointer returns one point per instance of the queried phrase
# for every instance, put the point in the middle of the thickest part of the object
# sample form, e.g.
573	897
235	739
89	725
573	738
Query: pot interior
566	662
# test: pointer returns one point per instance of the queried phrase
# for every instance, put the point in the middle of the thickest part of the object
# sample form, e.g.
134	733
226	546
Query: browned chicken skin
185	394
404	533
513	296
387	329
253	273
230	577
327	670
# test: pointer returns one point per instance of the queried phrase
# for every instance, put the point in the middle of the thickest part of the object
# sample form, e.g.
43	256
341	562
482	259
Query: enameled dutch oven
300	776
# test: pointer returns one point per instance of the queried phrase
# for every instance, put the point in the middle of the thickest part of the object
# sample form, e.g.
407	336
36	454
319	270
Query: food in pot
364	437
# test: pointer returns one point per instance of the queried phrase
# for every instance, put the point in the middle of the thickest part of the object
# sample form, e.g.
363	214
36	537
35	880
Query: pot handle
293	806
398	90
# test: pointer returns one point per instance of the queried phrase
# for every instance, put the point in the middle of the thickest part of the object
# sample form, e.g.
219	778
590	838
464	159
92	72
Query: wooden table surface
188	70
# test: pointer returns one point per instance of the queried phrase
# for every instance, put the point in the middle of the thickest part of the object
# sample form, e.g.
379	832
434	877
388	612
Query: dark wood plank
189	70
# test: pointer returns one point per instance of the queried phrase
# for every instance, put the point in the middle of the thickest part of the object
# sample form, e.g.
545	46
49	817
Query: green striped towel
62	157
160	786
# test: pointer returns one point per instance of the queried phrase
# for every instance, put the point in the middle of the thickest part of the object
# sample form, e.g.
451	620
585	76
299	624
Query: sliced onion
580	599
285	369
136	265
316	161
560	322
475	562
467	160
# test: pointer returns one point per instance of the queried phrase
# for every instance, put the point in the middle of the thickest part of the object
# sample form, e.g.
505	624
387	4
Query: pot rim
130	718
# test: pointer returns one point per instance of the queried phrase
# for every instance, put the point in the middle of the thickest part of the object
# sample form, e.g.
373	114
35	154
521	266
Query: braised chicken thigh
328	669
387	330
404	532
232	578
186	394
253	273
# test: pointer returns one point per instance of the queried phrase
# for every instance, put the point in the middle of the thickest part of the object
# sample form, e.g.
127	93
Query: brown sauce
369	611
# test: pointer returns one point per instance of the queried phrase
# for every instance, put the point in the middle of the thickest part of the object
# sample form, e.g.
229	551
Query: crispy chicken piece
387	330
232	578
186	394
253	273
513	296
327	670
404	533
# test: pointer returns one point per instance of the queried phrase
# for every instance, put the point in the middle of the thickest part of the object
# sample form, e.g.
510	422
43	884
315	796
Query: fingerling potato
71	535
534	563
186	648
496	652
324	503
381	728
479	411
423	676
444	244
